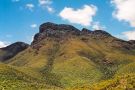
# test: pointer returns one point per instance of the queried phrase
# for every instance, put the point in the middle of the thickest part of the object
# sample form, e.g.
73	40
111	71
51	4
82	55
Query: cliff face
62	31
54	30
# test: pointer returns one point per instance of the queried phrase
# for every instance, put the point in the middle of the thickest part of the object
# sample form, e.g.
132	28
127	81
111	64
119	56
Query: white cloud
50	9
33	25
30	6
44	2
3	44
32	38
83	16
124	11
130	35
15	0
29	39
98	26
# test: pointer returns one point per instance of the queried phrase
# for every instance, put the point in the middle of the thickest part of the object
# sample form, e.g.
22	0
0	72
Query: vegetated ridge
63	57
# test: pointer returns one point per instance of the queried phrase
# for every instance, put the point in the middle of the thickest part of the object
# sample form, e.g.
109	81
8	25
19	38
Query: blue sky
20	19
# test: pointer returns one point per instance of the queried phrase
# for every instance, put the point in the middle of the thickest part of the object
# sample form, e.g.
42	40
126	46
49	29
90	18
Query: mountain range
62	57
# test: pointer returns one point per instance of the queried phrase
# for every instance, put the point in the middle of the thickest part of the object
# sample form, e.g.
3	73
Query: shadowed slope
11	50
12	79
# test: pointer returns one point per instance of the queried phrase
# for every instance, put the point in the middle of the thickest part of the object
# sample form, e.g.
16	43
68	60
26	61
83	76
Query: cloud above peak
130	35
3	44
15	0
30	6
82	16
97	26
124	11
33	25
45	2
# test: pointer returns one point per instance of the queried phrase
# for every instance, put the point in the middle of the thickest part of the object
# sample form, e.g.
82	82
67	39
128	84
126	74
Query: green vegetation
73	64
12	79
124	82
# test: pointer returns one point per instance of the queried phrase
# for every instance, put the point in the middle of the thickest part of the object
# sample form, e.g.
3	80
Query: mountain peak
53	26
86	31
49	29
16	45
12	50
68	28
101	33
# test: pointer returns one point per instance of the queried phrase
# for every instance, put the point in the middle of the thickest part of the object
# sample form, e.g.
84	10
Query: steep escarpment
54	30
62	30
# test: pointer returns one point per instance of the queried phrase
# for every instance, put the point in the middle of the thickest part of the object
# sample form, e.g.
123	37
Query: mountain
64	57
11	50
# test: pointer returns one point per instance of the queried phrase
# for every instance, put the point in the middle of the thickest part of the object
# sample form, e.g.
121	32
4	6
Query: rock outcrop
86	31
55	30
62	30
100	33
60	27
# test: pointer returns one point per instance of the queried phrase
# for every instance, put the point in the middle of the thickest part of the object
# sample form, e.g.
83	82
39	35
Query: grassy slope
64	66
125	82
2	52
12	79
73	62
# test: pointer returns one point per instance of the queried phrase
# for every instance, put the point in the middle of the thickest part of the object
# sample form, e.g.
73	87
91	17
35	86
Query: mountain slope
125	82
11	50
12	79
63	56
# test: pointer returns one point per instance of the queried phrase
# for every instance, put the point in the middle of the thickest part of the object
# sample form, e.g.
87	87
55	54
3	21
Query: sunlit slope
63	56
125	82
73	61
12	79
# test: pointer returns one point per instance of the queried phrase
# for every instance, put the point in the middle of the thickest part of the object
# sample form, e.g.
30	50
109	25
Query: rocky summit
62	57
60	27
62	30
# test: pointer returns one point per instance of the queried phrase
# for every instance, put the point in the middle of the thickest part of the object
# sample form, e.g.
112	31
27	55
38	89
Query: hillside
11	50
13	79
62	57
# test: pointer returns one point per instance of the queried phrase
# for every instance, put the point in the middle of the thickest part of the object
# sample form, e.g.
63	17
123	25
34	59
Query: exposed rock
11	50
55	30
132	42
86	31
100	34
118	43
60	27
61	31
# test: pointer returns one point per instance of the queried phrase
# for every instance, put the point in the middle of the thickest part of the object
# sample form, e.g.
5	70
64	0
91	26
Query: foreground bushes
124	82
